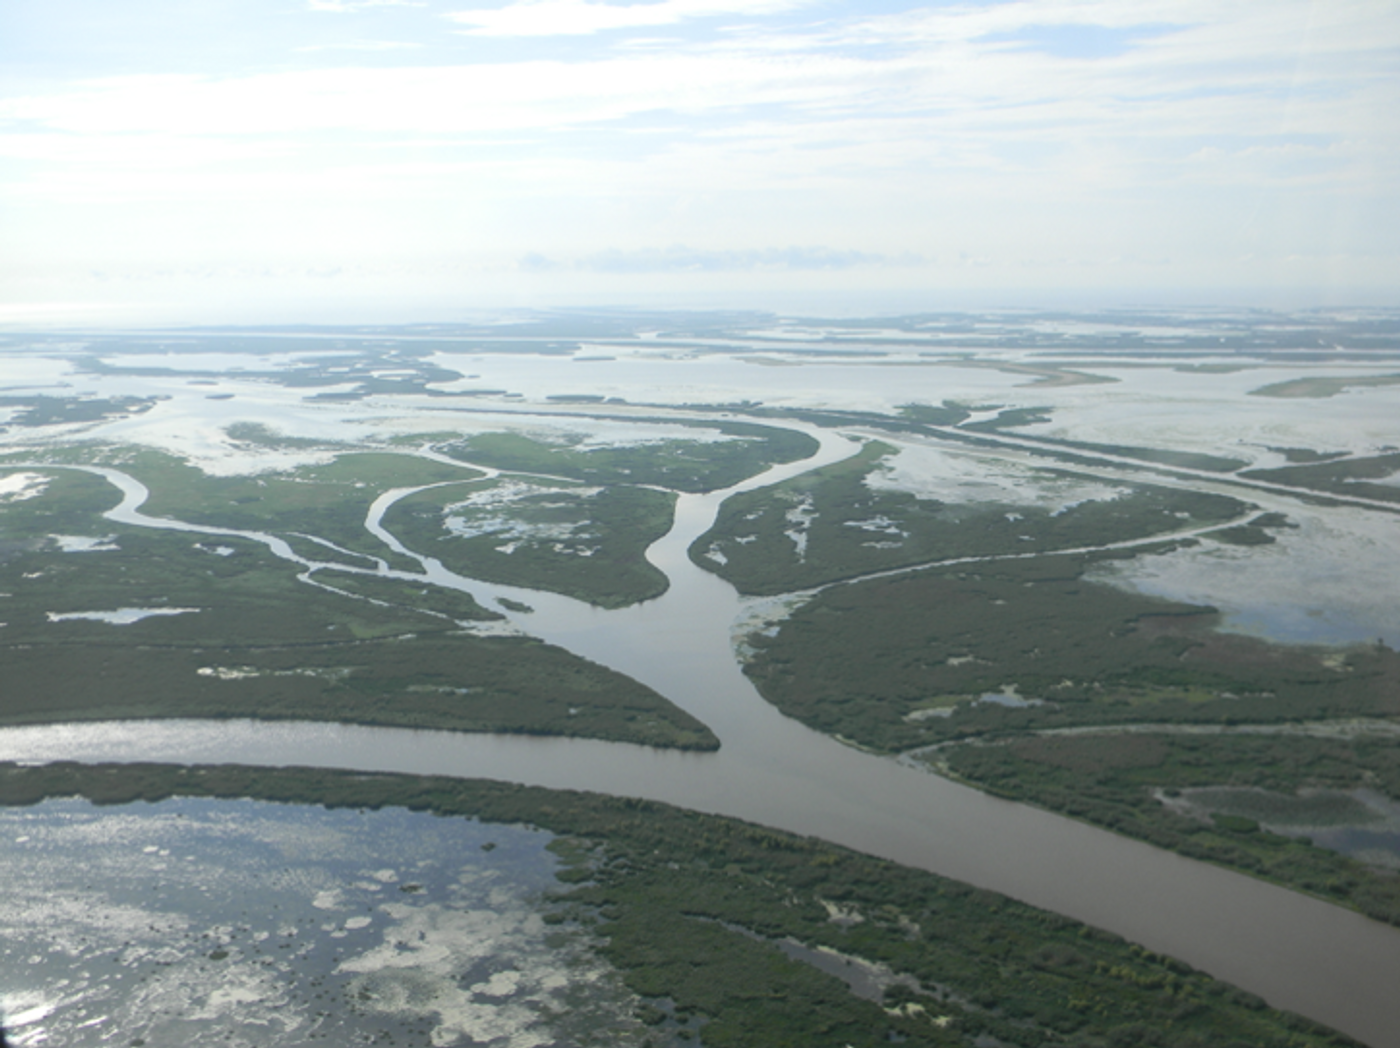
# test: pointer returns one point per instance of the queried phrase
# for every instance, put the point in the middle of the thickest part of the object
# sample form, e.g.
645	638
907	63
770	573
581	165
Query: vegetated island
832	524
586	542
108	621
1323	385
1003	650
719	925
1367	476
1253	802
722	454
575	518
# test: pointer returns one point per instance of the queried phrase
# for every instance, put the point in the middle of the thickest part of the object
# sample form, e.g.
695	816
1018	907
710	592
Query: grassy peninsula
585	542
833	524
896	663
1212	797
722	453
105	621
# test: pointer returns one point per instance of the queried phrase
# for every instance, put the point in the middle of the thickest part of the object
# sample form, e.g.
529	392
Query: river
1296	952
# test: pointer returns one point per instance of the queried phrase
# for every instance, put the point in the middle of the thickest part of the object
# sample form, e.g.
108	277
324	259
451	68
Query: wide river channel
1296	952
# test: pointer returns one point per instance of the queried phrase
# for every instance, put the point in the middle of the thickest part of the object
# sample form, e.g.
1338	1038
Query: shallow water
1302	589
174	923
1361	823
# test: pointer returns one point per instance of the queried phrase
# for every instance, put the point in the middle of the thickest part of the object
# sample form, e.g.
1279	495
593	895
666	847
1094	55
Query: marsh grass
585	542
857	659
851	529
687	906
1344	476
1119	780
262	644
680	465
329	500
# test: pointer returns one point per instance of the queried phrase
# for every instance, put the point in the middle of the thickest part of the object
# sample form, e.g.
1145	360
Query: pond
264	924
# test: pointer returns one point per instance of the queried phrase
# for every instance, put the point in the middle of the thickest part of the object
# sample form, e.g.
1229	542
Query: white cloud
581	17
1222	139
1248	70
362	45
346	6
444	99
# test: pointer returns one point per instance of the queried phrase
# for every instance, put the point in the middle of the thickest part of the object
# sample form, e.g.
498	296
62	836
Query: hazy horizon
411	160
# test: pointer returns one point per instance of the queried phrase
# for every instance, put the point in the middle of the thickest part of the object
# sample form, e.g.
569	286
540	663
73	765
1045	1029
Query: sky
247	161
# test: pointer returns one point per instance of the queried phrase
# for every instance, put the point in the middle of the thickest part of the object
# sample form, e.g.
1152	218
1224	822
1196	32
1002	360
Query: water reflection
168	924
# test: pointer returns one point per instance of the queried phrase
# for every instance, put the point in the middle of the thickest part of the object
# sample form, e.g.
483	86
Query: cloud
939	129
361	45
510	96
1079	41
583	17
682	259
947	80
346	6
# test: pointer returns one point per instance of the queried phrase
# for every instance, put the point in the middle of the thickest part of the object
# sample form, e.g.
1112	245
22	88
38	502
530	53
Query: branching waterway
1296	952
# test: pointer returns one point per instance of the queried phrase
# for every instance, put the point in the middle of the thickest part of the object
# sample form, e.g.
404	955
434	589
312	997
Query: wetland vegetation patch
586	542
1323	385
42	410
859	659
693	911
265	644
1217	797
834	523
734	452
328	499
1369	476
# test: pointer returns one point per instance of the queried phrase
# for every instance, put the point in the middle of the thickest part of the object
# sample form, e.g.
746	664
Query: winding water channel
1296	952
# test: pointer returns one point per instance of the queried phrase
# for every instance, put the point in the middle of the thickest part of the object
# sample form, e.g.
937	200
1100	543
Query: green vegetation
370	366
588	543
252	641
258	435
1322	386
895	663
1242	535
1347	476
70	503
688	906
48	411
1009	418
1115	780
328	500
1297	455
681	465
912	418
945	414
1043	374
1161	456
412	594
844	528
